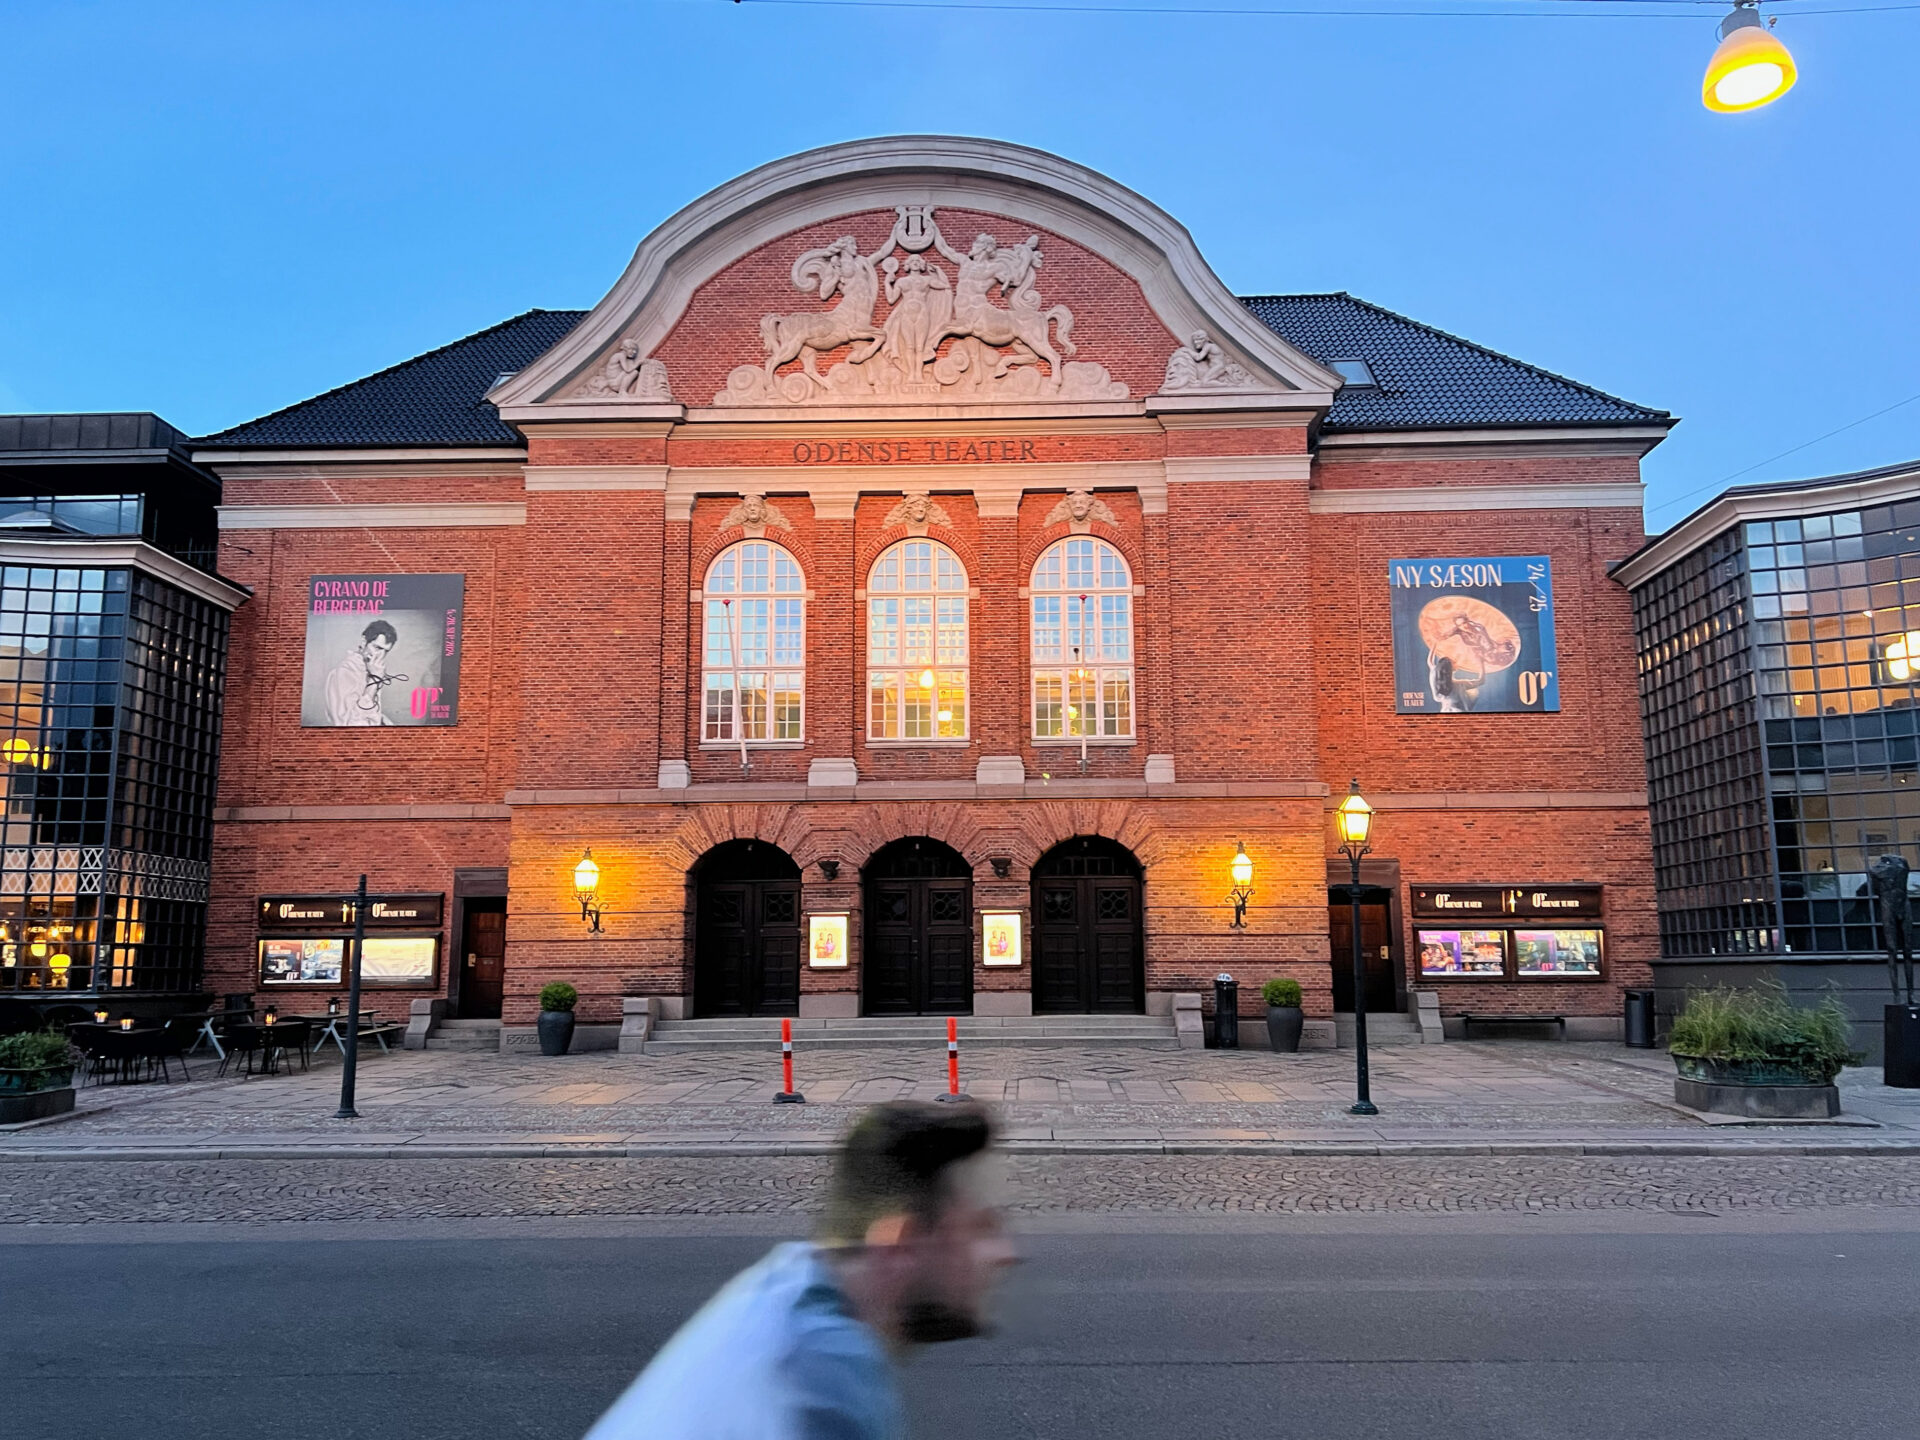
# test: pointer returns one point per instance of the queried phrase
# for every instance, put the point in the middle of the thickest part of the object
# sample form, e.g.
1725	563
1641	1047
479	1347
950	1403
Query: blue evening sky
212	211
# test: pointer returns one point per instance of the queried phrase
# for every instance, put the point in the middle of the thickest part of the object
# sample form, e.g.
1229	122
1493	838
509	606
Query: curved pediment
916	272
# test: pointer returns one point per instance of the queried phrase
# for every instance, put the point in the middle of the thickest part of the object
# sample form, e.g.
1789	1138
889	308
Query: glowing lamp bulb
1903	656
16	750
926	679
1749	69
1355	818
586	875
1242	866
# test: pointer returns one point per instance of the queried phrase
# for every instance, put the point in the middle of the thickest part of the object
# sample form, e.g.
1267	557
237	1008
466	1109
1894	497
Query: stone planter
556	1031
45	1077
1284	1023
1753	1089
19	1106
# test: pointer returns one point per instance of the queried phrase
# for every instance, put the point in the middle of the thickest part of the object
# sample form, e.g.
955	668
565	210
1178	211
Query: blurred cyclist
802	1345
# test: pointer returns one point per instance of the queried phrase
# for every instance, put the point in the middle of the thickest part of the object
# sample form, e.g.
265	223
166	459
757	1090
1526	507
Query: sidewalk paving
1482	1097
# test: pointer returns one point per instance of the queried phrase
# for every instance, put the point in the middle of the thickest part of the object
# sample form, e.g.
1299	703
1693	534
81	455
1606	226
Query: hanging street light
1750	69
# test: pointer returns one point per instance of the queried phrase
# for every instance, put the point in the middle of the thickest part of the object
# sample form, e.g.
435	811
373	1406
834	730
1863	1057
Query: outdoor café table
112	1050
208	1035
336	1029
287	1035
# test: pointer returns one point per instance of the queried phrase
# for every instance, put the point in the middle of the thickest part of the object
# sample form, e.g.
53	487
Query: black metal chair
174	1041
285	1037
91	1041
239	1038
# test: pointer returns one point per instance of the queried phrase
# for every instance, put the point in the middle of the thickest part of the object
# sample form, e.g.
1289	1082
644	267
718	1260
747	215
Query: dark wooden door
747	948
1376	949
1087	945
483	948
917	949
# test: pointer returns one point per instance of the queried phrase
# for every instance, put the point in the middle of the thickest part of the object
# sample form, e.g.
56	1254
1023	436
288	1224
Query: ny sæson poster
1473	635
383	650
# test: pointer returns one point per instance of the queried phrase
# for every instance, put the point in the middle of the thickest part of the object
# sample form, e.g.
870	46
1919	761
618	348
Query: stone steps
914	1032
1388	1027
471	1035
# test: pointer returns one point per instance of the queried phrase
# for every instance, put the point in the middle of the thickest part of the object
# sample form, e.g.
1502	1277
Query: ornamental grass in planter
1757	1036
1285	1018
36	1060
557	1000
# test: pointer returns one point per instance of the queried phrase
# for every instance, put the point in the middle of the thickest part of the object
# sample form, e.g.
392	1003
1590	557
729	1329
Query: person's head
912	1208
377	639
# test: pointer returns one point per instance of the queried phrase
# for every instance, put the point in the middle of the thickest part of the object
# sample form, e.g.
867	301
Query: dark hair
895	1161
381	627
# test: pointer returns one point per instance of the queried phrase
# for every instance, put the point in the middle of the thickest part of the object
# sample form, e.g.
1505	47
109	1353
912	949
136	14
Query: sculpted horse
840	267
1023	324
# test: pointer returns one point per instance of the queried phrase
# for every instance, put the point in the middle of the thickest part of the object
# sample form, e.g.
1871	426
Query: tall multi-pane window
755	646
917	644
1082	642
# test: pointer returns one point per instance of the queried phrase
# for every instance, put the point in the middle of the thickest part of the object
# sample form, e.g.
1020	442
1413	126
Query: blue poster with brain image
1473	635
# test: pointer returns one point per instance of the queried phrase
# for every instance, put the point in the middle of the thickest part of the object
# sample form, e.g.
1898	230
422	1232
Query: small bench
380	1032
1468	1021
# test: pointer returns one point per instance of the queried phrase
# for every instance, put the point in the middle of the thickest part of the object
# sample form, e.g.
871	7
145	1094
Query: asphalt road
321	1333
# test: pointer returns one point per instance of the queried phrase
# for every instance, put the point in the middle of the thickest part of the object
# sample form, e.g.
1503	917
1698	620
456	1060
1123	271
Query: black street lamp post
350	1061
1355	818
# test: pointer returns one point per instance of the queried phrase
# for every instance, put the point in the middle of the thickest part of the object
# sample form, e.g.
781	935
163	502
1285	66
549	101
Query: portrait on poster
1000	937
1473	635
827	942
383	650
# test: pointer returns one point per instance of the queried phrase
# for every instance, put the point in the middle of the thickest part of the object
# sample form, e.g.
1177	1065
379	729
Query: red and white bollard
953	1062
788	1096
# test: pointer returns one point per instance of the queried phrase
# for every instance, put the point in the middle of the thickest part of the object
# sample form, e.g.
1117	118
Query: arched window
917	644
1082	642
755	647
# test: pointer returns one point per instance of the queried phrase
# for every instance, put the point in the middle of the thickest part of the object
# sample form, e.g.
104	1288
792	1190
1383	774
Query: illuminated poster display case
1508	932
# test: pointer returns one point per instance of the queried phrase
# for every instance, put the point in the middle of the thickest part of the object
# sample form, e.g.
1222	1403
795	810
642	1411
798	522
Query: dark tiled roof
432	399
1426	377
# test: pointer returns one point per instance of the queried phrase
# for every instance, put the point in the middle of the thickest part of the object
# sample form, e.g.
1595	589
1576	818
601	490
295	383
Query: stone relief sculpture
916	512
1080	509
626	374
1201	364
756	515
1019	349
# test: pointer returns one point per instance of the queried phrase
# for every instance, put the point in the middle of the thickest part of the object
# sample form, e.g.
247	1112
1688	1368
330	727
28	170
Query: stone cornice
448	515
1417	499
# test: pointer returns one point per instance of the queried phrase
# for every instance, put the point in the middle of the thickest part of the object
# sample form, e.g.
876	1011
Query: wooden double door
917	946
1376	948
747	933
1088	931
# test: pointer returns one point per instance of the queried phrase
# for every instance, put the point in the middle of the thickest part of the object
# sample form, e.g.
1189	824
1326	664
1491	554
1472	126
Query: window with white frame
755	646
1082	654
917	644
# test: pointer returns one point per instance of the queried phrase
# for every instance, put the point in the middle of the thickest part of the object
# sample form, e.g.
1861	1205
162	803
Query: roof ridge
422	357
1473	345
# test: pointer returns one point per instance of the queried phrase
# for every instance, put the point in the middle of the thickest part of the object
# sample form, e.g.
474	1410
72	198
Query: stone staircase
913	1032
1383	1028
464	1035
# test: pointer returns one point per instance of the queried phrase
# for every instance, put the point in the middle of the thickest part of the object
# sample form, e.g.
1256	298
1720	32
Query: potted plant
557	1000
1284	1016
36	1076
1754	1052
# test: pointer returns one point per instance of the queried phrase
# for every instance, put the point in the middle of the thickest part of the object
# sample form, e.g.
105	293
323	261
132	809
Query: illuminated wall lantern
1242	891
586	884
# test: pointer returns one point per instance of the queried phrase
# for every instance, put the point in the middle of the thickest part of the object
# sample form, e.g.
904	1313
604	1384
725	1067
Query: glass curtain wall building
112	667
1779	638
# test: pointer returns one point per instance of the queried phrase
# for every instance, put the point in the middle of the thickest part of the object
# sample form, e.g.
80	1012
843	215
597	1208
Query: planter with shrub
1284	1015
1755	1053
36	1076
557	1000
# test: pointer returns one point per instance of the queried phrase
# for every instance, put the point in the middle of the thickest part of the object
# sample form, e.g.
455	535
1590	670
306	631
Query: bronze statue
1889	877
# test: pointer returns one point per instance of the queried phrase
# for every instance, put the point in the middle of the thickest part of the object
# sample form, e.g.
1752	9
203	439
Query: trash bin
1639	1027
1226	1012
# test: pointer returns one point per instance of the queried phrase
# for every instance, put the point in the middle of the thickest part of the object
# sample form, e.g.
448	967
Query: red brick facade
1263	667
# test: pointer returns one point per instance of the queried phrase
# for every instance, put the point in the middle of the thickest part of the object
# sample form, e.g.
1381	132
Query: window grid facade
110	690
1780	683
1082	642
917	644
755	646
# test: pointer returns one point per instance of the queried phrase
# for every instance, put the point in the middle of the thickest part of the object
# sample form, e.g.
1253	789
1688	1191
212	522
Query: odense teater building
914	583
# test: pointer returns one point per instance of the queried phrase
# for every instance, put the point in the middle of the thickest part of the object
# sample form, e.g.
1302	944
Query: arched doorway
746	931
1089	952
917	950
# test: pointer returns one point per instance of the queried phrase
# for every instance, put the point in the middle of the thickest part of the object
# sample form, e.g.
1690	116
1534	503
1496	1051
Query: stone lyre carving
1017	350
629	376
756	515
1201	364
1080	509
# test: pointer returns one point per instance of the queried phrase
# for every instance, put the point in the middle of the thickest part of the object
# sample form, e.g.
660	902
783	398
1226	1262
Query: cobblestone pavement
364	1190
